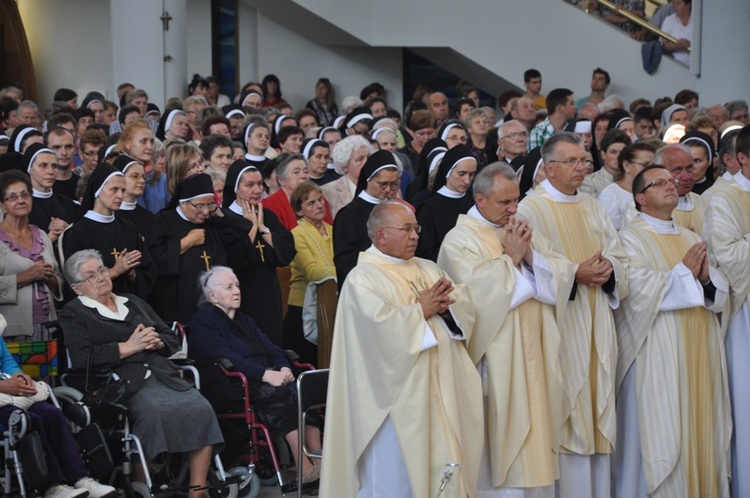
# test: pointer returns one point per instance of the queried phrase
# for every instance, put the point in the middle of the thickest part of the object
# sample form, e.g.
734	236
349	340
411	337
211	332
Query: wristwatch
265	231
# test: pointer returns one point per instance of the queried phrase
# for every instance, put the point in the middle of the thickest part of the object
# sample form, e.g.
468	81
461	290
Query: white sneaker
95	489
65	491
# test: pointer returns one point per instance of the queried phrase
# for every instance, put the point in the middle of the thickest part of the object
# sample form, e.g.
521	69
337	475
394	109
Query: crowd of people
572	324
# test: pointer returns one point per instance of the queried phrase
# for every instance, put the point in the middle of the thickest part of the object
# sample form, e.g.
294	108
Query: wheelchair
23	466
251	442
167	474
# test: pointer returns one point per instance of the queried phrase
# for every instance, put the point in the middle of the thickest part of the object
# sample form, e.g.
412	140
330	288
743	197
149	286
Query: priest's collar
727	175
236	208
258	159
41	195
98	217
685	203
660	226
368	198
122	310
474	213
558	196
445	191
374	250
182	215
128	206
739	178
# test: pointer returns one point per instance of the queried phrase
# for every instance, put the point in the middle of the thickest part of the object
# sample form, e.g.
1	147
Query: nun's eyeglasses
210	207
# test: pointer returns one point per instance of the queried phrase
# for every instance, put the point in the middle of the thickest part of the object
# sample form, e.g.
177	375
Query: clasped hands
18	385
436	299
145	338
278	378
595	271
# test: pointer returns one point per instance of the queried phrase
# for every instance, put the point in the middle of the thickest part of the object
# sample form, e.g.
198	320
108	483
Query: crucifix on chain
205	257
260	249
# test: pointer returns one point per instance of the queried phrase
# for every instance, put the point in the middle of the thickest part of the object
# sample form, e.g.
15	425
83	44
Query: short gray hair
501	129
284	161
380	216
206	283
344	149
550	146
350	103
484	182
735	105
72	267
473	114
669	150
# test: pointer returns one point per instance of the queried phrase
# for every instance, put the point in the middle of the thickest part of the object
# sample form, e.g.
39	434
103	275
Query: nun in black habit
259	245
47	205
135	185
449	199
188	237
130	265
350	226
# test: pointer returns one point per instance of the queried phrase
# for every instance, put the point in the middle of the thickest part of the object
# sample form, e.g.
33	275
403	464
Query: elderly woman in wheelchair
68	477
220	330
123	333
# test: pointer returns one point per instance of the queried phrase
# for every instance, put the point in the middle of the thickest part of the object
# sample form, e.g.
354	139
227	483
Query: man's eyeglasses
514	136
93	277
210	207
570	163
407	228
661	183
15	196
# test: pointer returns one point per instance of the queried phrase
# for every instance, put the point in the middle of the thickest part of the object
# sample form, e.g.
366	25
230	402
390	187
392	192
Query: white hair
344	149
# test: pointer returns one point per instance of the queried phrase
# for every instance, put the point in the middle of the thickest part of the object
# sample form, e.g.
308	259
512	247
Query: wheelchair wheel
252	490
140	490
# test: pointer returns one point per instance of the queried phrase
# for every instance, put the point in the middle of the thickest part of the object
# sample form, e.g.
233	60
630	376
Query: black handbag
107	396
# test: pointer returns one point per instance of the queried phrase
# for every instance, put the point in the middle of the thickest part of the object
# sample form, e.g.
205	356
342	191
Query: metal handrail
640	22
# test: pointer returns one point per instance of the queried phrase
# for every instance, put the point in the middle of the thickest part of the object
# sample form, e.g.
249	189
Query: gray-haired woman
123	333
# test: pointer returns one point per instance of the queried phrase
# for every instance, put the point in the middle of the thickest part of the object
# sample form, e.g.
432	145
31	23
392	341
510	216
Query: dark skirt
277	407
294	337
173	421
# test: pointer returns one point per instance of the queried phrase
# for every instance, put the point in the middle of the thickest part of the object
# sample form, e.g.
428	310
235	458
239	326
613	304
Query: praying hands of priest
125	264
517	243
436	299
696	259
595	271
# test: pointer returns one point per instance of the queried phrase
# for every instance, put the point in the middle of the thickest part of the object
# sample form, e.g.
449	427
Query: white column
175	49
138	46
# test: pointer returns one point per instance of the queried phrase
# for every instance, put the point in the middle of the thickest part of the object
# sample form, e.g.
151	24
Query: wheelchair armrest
291	355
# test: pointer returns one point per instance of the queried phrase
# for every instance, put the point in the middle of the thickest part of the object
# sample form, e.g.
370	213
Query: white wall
268	47
70	46
198	39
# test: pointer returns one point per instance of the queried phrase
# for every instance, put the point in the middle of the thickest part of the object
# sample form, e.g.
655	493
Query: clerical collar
41	195
660	226
182	215
727	175
558	196
128	206
474	213
236	208
685	203
445	191
698	182
368	198
98	217
122	310
258	159
375	250
742	180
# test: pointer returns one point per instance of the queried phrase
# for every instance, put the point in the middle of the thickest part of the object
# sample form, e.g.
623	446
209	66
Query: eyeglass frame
102	271
407	229
659	184
25	195
201	207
